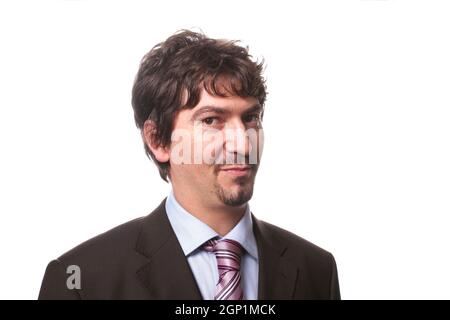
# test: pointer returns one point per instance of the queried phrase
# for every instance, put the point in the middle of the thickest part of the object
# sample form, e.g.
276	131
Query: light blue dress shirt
192	233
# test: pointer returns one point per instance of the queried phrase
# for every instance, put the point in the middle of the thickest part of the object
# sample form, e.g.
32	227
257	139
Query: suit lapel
166	274
277	275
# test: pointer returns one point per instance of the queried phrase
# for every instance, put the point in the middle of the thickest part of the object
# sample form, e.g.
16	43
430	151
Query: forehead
229	103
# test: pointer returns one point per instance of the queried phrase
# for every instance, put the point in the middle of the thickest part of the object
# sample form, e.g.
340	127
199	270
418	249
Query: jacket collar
167	274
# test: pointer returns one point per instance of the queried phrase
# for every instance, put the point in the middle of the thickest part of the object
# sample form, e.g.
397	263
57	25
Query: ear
162	154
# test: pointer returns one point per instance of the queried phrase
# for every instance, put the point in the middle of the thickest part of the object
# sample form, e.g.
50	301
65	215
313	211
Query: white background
357	130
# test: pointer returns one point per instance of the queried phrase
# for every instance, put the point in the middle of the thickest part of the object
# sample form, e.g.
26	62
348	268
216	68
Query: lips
238	167
237	171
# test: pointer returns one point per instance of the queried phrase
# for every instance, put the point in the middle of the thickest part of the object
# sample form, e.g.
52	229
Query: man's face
216	148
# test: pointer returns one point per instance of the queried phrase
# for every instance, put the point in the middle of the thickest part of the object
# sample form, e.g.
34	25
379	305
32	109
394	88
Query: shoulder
107	263
316	266
111	244
101	265
296	248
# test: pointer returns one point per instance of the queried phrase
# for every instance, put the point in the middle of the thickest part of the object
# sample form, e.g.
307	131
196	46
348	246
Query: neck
219	217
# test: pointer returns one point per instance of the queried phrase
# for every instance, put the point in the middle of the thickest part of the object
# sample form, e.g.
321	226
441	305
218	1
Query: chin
235	198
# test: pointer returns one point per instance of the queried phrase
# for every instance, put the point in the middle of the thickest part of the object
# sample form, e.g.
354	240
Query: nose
237	143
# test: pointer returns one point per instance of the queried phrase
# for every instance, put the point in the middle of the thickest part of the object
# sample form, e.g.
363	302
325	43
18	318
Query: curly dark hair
175	70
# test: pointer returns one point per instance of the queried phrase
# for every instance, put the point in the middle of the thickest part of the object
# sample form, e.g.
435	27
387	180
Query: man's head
199	104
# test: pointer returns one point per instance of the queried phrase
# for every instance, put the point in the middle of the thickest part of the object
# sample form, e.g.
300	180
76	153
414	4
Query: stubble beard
236	198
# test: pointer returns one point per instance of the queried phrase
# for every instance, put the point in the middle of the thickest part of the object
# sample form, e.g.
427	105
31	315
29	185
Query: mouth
237	170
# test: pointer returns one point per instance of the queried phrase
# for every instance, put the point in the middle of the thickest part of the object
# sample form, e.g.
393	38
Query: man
198	103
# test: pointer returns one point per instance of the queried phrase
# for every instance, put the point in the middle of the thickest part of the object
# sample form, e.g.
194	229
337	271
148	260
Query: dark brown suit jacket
142	259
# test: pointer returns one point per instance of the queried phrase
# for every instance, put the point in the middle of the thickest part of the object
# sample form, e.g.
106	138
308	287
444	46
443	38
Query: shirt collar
192	232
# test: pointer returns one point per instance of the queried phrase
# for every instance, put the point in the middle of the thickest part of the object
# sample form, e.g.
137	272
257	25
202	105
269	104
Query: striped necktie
228	254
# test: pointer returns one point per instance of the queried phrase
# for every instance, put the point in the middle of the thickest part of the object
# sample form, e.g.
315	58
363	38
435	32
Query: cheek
193	172
256	143
208	146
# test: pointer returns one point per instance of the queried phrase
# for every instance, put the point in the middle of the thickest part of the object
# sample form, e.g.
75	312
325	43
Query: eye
210	121
251	117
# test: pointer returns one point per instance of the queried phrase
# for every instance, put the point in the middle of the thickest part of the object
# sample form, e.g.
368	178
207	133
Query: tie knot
228	255
225	248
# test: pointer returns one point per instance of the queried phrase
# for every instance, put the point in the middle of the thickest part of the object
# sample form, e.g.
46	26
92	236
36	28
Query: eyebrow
255	108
